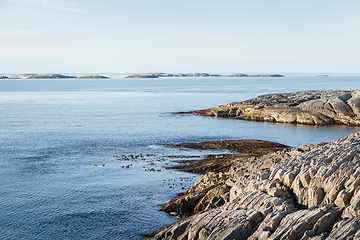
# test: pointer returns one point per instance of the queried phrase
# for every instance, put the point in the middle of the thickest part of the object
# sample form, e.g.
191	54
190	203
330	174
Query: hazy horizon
305	73
53	36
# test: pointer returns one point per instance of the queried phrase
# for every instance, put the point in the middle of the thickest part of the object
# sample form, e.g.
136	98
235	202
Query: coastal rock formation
222	162
157	75
306	107
212	184
310	192
252	146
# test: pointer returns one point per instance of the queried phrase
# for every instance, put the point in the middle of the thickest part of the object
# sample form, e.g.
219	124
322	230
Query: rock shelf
308	192
306	107
222	162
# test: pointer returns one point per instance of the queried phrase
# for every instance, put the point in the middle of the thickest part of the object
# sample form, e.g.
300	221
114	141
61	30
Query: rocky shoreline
307	192
157	75
306	107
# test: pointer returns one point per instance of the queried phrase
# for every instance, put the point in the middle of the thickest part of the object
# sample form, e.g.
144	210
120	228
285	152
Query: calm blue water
59	141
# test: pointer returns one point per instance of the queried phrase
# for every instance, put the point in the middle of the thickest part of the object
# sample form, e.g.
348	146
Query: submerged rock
306	107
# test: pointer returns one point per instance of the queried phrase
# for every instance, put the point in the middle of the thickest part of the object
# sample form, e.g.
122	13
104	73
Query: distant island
157	75
93	76
51	76
6	77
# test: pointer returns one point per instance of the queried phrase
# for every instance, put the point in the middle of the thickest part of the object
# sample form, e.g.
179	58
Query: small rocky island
60	76
93	77
306	107
157	75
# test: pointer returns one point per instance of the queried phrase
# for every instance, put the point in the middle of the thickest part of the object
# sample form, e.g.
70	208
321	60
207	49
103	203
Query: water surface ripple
60	142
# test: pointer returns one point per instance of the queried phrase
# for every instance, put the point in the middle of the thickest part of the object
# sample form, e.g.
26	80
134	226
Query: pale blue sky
257	36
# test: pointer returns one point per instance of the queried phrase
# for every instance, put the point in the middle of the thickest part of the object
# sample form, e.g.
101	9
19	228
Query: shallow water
60	142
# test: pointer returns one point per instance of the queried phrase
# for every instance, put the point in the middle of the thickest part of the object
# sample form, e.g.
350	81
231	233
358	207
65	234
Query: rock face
307	107
310	192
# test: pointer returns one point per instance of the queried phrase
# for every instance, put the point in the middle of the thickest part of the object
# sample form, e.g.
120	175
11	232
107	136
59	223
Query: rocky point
307	192
306	107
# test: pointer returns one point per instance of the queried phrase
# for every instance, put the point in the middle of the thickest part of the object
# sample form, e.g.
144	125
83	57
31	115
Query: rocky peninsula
157	75
305	107
307	192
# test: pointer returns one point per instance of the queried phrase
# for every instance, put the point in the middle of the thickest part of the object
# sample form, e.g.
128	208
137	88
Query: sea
86	158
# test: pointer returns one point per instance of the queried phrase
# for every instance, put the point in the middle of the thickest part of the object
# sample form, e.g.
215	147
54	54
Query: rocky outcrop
310	192
252	146
157	75
222	162
210	189
306	107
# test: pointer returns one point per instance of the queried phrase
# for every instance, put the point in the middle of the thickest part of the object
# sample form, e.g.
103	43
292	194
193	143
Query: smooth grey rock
306	107
323	179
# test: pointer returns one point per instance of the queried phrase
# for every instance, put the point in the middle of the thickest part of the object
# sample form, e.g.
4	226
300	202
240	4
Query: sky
133	36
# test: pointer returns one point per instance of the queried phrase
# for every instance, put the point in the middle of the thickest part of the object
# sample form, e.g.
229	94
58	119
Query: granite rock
309	192
306	107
